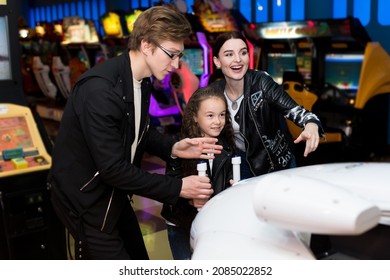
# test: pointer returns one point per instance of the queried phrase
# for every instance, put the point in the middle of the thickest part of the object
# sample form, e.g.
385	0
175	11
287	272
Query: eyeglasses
171	55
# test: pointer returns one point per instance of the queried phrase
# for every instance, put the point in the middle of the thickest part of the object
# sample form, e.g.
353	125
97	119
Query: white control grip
202	168
236	161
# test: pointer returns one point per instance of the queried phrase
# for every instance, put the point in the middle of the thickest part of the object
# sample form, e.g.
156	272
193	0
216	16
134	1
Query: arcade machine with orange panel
29	227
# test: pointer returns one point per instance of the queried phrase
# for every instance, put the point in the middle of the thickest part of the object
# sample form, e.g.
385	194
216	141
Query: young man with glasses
104	132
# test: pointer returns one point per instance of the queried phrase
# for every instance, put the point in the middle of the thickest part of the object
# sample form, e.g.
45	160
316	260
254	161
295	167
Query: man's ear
146	47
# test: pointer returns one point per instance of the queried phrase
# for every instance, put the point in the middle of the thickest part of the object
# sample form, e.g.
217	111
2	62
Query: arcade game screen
5	65
21	146
14	133
304	66
194	59
278	63
343	70
130	18
112	25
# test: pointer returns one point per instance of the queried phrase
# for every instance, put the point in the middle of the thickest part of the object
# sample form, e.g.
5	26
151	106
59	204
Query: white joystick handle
202	168
236	161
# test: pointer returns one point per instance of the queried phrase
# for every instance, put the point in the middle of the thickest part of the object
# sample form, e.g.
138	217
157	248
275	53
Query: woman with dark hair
258	105
205	115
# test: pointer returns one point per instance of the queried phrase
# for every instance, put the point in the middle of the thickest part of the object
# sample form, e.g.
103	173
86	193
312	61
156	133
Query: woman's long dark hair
191	129
223	37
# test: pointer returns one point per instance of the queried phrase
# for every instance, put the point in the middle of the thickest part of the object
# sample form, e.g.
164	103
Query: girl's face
233	59
211	116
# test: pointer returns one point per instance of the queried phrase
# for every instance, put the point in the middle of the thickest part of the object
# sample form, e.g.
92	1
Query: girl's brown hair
191	129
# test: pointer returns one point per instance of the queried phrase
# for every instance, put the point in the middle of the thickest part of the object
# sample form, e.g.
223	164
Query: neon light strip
207	58
251	55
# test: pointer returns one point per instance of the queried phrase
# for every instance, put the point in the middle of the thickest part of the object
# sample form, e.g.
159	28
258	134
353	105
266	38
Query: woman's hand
311	136
201	147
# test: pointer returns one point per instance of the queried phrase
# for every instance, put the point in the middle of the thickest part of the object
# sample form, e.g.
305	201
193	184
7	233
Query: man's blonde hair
158	24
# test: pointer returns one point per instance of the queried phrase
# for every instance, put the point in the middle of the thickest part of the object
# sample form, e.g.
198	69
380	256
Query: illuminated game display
21	146
130	19
343	70
194	58
112	25
310	41
5	65
14	133
278	63
214	16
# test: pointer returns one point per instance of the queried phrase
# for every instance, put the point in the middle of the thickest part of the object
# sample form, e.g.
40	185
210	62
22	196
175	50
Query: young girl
205	115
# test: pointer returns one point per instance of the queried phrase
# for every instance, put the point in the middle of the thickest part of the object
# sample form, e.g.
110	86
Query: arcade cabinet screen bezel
193	57
343	70
15	133
5	56
277	63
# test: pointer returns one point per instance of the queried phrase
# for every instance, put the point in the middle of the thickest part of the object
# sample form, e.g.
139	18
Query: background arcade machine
355	95
80	49
117	25
353	91
198	52
39	47
288	46
317	48
82	45
287	51
29	228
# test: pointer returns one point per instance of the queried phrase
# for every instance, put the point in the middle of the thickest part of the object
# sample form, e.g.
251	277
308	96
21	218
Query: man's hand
311	136
201	147
198	203
196	187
